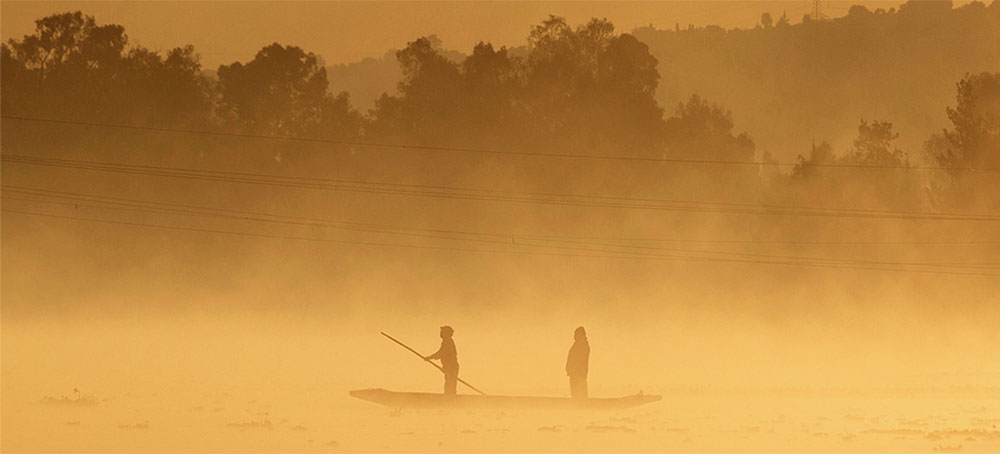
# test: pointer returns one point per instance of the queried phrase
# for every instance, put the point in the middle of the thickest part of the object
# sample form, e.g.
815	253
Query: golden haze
777	225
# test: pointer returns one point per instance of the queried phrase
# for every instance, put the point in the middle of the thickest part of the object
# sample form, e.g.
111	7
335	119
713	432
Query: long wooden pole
431	362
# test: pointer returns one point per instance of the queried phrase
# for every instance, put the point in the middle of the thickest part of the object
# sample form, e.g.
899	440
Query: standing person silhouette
449	360
577	364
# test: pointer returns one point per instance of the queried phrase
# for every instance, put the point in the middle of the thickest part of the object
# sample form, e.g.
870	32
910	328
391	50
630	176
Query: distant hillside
365	80
790	84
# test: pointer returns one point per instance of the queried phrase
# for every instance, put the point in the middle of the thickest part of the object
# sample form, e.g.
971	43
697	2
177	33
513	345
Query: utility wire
496	235
560	244
429	148
497	196
586	247
516	252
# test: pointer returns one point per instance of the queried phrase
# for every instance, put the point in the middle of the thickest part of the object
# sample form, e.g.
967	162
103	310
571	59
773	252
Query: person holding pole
449	360
451	331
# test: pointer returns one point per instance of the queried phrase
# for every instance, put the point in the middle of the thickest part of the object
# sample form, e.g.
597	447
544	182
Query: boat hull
431	400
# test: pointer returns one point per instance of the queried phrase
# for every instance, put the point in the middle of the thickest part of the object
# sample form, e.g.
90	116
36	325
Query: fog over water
200	251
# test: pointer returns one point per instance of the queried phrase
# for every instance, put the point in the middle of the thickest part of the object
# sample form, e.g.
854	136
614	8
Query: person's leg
451	381
578	387
450	384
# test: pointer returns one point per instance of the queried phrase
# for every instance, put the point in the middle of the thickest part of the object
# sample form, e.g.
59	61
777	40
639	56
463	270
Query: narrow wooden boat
433	400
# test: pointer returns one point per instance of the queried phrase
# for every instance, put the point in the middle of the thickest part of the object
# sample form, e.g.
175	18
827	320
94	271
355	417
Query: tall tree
427	101
974	139
973	142
700	129
873	146
493	84
592	88
283	91
70	67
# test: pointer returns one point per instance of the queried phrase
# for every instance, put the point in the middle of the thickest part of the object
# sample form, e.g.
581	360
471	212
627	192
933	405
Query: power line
772	256
472	236
446	192
495	235
478	194
273	236
575	247
429	148
770	241
515	252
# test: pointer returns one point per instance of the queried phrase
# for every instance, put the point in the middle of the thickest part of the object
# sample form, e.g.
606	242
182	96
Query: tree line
574	90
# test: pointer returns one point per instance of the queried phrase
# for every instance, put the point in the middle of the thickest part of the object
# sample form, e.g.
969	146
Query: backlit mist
782	218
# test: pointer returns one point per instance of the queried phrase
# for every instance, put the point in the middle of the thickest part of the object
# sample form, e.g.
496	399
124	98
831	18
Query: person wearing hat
577	364
449	360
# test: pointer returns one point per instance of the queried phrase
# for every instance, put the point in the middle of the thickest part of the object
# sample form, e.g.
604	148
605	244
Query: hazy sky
349	31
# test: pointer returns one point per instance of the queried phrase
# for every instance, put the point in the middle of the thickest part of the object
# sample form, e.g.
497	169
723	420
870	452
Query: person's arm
435	355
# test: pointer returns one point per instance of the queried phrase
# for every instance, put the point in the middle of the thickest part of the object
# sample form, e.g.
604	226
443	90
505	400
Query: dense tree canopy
702	129
576	89
72	68
585	89
974	140
284	91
